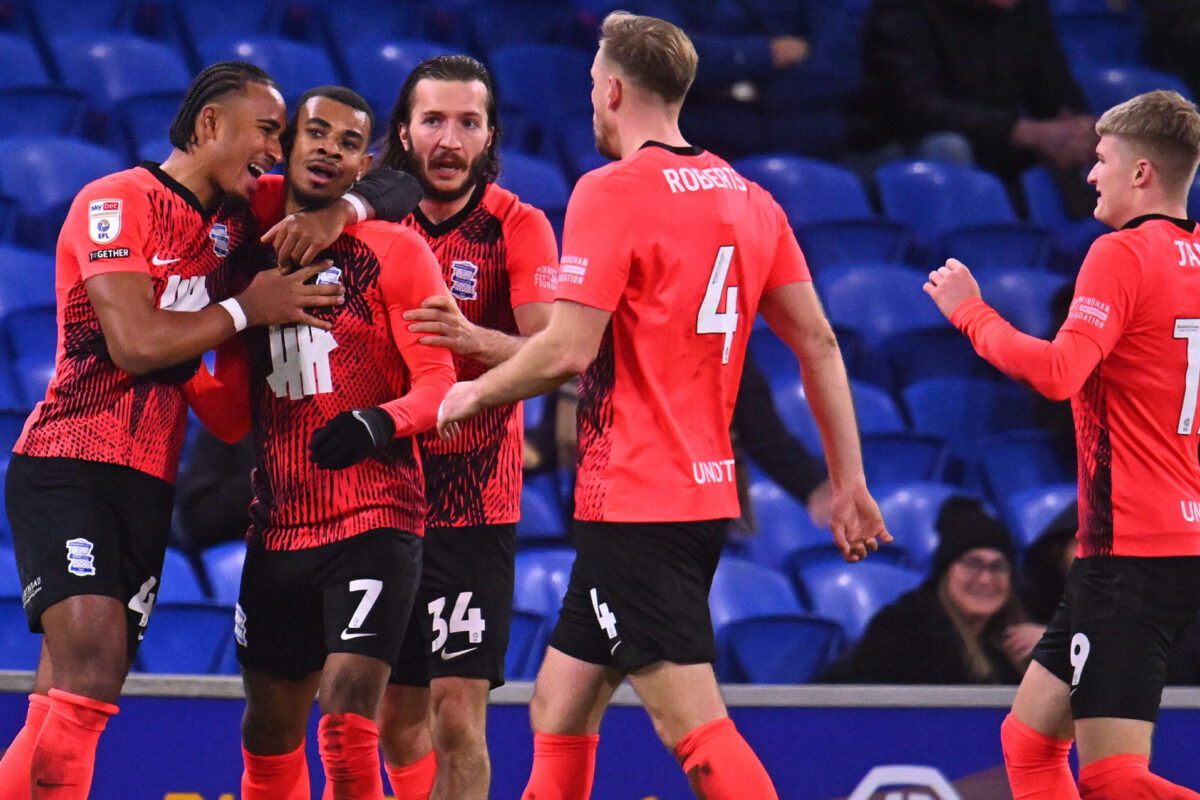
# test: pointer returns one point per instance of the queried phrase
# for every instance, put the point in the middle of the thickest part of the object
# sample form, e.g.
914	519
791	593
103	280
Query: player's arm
795	315
221	399
1057	369
408	270
384	194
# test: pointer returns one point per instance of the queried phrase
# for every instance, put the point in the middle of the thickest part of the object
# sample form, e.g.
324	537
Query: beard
603	147
414	166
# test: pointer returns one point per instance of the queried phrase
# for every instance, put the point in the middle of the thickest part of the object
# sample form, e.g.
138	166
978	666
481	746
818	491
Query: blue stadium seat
179	583
12	422
31	335
377	69
526	643
1022	296
112	66
1097	38
538	182
828	209
541	514
852	593
914	355
534	409
10	580
541	580
1017	461
1105	87
777	650
20	64
1072	236
186	638
45	173
203	19
782	525
910	511
26	279
874	407
295	66
541	89
223	565
43	111
1029	511
898	456
498	24
877	300
144	122
577	140
353	23
56	17
19	649
965	409
744	590
960	211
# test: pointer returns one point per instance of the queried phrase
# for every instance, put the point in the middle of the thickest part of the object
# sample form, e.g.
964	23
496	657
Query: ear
614	93
207	122
402	130
1143	169
366	165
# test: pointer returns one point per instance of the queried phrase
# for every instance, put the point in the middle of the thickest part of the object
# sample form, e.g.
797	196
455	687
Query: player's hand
350	437
298	238
1019	641
857	525
951	285
276	297
440	318
460	403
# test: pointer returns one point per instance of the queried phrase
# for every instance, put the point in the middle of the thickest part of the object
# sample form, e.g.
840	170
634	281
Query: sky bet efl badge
104	220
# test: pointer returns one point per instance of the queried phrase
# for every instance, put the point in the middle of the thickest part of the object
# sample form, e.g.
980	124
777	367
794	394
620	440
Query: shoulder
387	239
128	184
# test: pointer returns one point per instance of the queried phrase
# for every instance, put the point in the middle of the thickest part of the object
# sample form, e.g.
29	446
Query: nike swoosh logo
346	635
613	652
447	656
160	262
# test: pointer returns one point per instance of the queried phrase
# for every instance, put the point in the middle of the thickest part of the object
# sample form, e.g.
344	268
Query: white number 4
462	619
607	619
710	320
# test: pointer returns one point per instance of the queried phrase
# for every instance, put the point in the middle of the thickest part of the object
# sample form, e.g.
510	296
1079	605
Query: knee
267	731
351	692
459	723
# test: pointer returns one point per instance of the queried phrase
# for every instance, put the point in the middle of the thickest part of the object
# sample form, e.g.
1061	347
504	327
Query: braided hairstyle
459	68
222	78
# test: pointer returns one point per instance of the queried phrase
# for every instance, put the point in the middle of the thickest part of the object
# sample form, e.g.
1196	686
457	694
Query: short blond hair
651	52
1163	124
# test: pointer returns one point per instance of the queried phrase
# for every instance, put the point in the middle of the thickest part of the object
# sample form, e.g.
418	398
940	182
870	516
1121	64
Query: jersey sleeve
266	202
222	401
106	229
1105	293
594	268
409	272
790	265
532	257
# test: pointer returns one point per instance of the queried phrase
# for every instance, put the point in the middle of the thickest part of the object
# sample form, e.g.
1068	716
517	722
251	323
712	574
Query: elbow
135	359
572	363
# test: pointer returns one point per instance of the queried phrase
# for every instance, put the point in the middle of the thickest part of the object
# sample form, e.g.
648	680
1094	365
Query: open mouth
446	168
321	172
255	170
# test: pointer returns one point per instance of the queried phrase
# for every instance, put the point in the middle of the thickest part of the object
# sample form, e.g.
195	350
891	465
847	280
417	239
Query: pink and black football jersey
495	254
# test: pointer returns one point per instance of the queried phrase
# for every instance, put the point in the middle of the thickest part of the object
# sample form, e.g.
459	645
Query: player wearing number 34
1128	356
334	550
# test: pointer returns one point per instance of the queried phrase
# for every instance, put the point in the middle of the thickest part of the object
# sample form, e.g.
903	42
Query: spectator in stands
962	625
990	72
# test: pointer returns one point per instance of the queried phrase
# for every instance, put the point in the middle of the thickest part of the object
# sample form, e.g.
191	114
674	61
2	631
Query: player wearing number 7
334	551
1128	356
667	255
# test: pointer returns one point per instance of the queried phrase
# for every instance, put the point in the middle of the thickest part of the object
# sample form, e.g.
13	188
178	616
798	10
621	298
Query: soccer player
89	487
334	548
667	255
499	260
1127	356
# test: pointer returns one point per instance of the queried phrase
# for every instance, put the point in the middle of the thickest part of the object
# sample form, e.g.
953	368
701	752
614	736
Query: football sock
1128	777
1036	763
415	781
563	767
64	755
349	747
14	767
720	765
282	777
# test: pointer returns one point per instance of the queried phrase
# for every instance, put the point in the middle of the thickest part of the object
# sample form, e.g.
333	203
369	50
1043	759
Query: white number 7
1189	329
710	320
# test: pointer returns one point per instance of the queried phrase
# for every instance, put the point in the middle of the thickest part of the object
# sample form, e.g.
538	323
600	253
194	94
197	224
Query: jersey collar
175	186
1188	225
690	150
444	227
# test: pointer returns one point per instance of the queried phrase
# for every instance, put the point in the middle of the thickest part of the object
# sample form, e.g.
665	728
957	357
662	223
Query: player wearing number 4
334	551
667	255
1128	357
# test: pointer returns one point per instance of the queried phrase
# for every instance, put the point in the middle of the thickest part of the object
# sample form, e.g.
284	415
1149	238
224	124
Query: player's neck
1167	207
438	211
648	128
187	170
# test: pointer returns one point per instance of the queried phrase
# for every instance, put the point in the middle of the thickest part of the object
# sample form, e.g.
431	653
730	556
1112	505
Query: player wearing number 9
1128	356
334	549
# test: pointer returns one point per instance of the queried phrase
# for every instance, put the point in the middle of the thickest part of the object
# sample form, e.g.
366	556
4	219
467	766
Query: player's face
245	138
1113	177
447	137
329	152
978	583
602	127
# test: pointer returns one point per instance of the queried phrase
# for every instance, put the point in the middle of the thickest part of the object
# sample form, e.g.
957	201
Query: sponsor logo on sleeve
112	252
464	280
104	220
572	269
1089	309
546	277
79	557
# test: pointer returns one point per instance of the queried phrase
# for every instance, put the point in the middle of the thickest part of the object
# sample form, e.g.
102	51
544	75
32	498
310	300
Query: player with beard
499	260
334	548
667	253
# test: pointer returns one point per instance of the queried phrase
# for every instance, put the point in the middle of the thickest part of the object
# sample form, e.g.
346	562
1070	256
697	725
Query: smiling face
447	137
329	152
1113	176
244	130
979	583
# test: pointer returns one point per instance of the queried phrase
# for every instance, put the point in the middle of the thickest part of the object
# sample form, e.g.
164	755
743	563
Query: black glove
350	437
391	192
